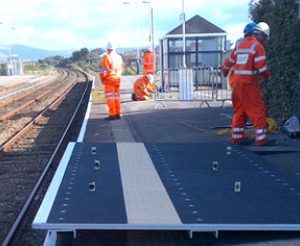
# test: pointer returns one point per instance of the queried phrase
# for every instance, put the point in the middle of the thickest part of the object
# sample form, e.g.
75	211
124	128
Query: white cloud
236	32
60	24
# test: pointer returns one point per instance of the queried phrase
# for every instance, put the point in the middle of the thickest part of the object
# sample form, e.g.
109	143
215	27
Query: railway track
10	92
27	155
17	112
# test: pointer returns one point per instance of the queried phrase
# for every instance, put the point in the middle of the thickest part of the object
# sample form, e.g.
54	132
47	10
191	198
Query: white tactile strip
149	203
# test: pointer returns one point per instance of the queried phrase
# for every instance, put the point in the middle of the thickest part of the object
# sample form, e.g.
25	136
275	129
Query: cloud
236	32
61	24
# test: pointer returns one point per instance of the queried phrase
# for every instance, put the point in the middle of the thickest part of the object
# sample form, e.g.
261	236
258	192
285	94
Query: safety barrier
205	84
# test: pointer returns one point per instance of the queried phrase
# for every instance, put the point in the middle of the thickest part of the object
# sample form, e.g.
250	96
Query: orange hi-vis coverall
148	63
248	60
228	71
227	68
143	88
110	75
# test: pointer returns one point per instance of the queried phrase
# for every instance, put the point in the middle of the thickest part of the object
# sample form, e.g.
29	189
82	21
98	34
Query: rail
33	84
41	178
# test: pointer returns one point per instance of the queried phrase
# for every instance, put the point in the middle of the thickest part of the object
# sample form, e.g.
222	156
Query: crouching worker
143	88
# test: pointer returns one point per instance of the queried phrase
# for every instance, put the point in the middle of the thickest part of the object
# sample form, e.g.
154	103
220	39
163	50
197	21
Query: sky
76	24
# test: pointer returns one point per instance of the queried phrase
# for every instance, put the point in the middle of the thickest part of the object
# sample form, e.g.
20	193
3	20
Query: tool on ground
271	128
292	127
271	125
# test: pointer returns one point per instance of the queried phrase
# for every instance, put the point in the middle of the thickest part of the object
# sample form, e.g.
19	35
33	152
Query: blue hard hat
249	28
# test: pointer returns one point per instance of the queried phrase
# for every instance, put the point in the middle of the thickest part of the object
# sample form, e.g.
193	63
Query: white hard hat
150	77
264	28
110	46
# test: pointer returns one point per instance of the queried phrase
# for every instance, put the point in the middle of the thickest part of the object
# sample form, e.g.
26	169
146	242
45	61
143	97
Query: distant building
205	45
13	66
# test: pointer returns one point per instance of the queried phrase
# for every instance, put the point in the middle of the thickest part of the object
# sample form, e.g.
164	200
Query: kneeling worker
143	88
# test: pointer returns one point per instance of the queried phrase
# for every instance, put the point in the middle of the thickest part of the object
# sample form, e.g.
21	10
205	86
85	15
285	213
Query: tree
80	55
283	51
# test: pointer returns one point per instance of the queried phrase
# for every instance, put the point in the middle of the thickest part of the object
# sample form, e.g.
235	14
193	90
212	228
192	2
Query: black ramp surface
76	202
241	188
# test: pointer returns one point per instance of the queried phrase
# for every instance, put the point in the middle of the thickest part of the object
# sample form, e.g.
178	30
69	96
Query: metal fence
204	84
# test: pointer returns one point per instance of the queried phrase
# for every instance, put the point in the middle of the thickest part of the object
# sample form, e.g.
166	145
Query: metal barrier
207	84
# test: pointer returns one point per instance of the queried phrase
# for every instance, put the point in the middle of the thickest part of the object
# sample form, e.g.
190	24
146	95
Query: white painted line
146	199
45	208
86	117
93	85
84	124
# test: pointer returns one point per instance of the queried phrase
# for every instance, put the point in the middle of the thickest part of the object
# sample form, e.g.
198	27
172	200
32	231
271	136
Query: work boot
118	117
110	118
246	142
271	142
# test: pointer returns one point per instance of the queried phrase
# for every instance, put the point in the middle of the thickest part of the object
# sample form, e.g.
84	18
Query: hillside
31	53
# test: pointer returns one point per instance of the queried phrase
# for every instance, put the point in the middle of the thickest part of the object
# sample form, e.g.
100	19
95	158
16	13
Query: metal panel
217	185
91	190
197	187
44	211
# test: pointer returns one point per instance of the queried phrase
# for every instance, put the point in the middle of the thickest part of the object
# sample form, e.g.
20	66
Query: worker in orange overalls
248	61
229	72
148	62
143	88
110	75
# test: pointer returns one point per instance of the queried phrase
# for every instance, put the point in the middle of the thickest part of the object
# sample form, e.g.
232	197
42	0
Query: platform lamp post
9	63
9	50
182	17
137	36
299	9
1	23
151	33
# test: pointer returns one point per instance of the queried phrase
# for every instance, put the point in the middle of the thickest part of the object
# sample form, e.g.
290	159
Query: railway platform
166	170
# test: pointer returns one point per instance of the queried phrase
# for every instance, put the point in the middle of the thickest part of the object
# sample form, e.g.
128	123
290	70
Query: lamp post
299	9
137	36
9	50
151	34
183	35
9	60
